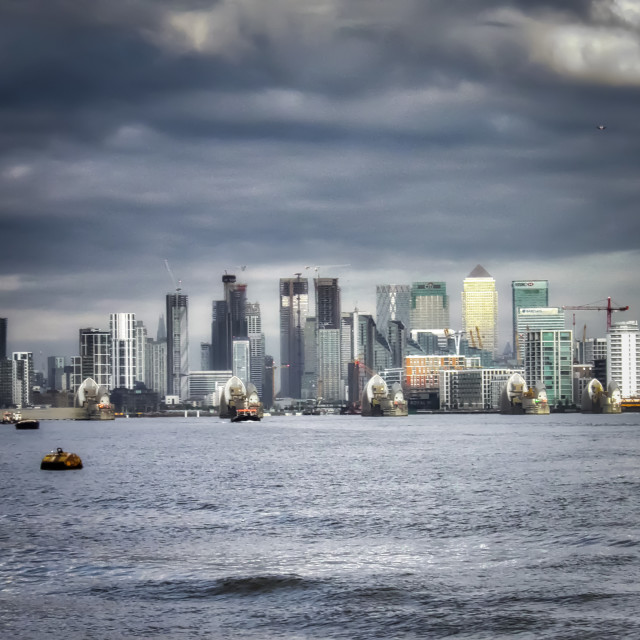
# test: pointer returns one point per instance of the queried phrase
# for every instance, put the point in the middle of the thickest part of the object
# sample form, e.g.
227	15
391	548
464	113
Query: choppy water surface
324	527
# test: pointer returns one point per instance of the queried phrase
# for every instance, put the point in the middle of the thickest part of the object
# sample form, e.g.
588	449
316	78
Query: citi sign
528	284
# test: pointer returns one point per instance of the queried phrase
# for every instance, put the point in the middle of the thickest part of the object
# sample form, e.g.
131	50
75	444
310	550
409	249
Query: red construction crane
598	307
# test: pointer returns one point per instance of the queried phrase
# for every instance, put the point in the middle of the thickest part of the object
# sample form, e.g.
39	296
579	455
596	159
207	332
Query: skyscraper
480	308
256	345
429	306
548	358
328	340
536	319
241	359
527	294
141	352
124	364
55	373
22	378
294	310
393	303
178	345
3	338
623	357
228	321
95	358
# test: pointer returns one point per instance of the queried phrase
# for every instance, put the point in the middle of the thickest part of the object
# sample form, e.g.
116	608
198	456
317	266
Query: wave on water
185	589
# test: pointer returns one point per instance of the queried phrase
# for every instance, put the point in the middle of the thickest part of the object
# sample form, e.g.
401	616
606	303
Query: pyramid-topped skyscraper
480	309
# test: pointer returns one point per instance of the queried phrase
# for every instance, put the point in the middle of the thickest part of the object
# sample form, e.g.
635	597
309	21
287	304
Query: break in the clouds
410	140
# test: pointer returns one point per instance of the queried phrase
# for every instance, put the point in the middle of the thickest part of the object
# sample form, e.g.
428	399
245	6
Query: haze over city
410	140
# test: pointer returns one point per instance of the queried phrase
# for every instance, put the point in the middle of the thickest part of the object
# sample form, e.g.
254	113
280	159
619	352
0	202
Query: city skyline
595	321
410	142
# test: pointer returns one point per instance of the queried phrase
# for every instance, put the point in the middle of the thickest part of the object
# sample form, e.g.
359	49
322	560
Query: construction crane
178	286
317	267
599	307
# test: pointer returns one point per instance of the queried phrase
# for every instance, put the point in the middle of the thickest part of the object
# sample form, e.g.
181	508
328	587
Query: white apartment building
623	357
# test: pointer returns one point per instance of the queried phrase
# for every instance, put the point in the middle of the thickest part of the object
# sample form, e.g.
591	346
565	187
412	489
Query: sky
410	140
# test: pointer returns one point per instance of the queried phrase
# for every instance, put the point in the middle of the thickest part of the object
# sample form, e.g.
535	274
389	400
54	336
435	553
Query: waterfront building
141	348
429	306
124	350
205	386
422	371
6	382
588	350
548	359
623	357
178	345
472	389
55	373
95	360
241	351
256	345
480	309
330	381
23	377
536	319
156	368
294	310
527	294
393	304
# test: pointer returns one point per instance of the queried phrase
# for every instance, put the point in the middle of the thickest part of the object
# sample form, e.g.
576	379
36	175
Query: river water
469	526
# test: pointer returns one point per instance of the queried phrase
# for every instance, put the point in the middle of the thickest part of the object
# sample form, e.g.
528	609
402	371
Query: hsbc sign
541	284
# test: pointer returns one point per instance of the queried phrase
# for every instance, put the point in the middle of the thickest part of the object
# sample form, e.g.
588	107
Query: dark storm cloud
297	133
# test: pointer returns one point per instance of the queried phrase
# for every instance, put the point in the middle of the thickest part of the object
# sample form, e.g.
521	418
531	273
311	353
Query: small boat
28	423
242	415
60	459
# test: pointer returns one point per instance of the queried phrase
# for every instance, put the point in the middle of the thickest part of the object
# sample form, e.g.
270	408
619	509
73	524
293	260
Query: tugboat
60	460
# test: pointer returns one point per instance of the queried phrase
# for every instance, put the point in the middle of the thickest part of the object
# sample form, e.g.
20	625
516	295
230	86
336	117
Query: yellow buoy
60	459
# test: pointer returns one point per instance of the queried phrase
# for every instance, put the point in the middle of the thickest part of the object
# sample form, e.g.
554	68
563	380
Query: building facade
294	311
480	309
393	304
23	378
178	345
124	350
256	345
429	306
95	358
527	294
623	357
548	358
536	319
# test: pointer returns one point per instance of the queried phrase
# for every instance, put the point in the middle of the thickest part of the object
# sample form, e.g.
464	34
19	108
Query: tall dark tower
294	309
3	338
228	322
328	303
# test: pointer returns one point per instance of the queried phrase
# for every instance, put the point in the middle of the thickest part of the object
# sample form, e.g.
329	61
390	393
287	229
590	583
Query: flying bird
601	127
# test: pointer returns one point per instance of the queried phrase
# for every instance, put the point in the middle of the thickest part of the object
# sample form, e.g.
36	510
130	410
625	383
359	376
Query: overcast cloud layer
410	139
